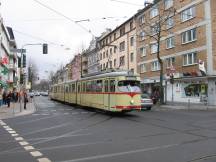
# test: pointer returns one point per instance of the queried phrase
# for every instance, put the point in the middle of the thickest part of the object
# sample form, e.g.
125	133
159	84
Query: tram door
106	95
78	93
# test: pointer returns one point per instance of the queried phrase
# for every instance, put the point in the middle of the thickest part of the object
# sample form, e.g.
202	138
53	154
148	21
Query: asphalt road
64	133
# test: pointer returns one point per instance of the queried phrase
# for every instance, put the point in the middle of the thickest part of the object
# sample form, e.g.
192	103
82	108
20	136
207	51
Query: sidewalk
14	110
184	106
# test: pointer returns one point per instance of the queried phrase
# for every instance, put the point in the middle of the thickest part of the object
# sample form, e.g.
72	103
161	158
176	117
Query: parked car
44	93
37	94
146	101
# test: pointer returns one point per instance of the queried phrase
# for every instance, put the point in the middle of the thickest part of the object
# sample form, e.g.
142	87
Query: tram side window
78	88
112	85
84	87
99	86
73	88
66	89
106	85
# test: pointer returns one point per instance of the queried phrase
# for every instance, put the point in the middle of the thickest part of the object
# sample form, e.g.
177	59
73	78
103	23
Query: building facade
117	48
187	49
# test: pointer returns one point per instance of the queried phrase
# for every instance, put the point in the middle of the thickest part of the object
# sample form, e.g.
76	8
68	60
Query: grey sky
28	17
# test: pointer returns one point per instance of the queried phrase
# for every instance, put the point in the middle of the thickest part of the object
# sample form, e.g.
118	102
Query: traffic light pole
21	69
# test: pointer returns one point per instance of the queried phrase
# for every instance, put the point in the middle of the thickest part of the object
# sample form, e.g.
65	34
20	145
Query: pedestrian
25	96
4	97
1	97
8	98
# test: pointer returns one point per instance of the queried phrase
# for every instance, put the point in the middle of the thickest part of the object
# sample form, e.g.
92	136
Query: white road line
6	126
66	113
3	124
43	160
23	143
36	153
29	148
9	129
14	135
19	139
11	132
120	153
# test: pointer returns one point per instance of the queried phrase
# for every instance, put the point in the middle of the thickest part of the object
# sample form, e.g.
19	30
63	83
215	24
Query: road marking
23	143
120	153
11	132
36	153
66	113
43	160
29	148
14	135
84	112
9	129
74	113
35	114
19	139
6	126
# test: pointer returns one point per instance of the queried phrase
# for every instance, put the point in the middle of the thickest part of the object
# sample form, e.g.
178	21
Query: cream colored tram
113	91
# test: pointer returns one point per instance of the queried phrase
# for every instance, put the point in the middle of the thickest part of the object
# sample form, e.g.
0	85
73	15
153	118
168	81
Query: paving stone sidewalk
15	110
185	106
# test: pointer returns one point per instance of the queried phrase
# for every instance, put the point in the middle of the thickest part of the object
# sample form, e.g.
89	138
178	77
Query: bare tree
155	29
32	72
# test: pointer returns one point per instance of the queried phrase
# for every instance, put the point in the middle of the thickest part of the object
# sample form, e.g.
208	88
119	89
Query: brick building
187	48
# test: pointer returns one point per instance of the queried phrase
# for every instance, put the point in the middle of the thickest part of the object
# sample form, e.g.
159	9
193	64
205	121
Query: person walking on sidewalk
8	98
25	96
1	97
4	97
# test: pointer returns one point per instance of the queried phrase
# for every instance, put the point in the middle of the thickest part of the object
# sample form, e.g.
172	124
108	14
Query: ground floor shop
186	89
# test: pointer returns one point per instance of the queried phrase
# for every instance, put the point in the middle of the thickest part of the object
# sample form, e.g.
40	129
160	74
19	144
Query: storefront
193	89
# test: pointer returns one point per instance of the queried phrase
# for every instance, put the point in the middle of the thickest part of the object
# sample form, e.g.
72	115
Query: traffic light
45	48
19	62
24	60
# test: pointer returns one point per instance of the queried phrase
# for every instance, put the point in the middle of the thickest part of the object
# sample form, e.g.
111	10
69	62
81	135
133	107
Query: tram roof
109	74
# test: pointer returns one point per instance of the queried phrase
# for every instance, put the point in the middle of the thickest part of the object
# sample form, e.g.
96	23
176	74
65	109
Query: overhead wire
66	17
129	3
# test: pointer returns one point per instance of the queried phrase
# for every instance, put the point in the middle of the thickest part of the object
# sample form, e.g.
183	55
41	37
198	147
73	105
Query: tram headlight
132	102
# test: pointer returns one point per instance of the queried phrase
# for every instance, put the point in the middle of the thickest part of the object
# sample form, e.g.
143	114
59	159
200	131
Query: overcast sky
33	23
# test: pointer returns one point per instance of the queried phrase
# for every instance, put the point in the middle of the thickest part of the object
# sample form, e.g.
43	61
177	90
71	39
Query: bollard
188	104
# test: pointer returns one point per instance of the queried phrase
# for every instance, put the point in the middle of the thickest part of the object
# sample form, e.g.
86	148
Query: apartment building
187	48
117	48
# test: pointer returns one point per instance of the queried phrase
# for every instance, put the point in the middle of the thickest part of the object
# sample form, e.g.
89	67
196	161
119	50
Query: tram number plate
131	78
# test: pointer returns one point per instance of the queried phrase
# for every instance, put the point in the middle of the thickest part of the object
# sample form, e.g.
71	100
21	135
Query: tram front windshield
129	86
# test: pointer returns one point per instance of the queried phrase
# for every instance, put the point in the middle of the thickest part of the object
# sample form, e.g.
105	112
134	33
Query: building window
155	66
168	4
122	61
115	48
110	38
114	62
104	66
143	51
100	56
110	51
103	55
170	62
132	57
154	29
131	25
110	64
132	41
143	68
188	14
142	35
189	36
122	31
169	23
122	46
170	42
189	59
154	48
107	54
114	36
154	11
141	20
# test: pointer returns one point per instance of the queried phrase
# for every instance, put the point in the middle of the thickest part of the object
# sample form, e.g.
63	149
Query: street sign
18	50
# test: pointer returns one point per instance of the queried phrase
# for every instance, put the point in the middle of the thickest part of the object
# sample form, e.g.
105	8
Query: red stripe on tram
127	107
132	94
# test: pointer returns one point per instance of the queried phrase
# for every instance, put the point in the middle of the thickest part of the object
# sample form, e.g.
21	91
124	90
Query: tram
111	91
